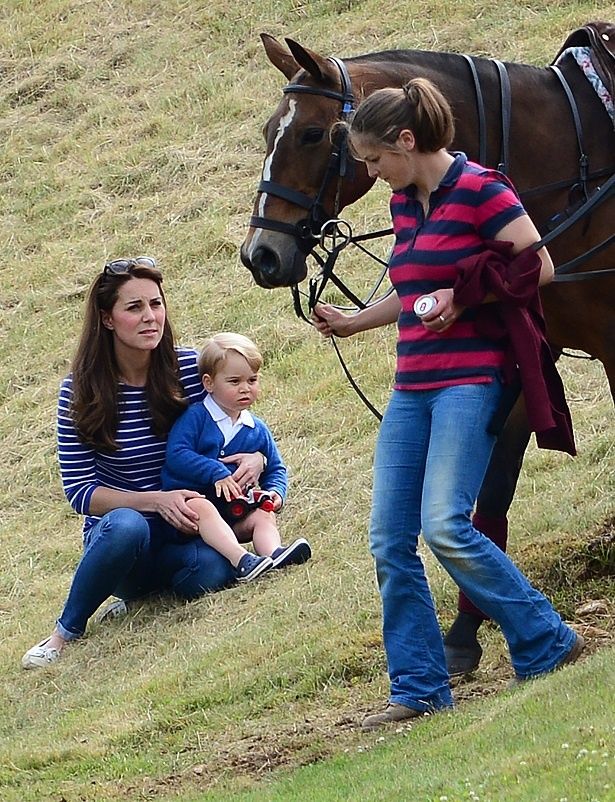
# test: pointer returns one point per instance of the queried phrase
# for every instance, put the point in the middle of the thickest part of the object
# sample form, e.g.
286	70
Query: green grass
522	745
134	127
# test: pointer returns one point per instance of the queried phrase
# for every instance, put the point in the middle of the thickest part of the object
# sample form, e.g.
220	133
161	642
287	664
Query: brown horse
546	128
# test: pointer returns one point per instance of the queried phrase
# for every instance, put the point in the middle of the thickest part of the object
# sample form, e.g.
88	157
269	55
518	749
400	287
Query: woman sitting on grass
127	386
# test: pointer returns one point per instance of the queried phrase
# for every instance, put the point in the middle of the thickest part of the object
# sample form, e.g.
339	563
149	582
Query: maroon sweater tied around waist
517	320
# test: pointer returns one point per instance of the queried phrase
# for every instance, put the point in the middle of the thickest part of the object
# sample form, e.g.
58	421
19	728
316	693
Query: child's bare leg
216	532
259	527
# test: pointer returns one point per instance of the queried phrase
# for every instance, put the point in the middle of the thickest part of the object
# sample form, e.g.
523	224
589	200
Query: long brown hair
95	372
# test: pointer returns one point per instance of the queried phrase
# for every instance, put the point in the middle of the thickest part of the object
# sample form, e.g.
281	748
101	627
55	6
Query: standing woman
434	445
127	386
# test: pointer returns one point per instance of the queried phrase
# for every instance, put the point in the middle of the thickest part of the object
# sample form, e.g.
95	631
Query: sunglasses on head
119	266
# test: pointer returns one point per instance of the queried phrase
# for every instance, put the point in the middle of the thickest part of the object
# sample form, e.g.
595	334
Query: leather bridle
308	230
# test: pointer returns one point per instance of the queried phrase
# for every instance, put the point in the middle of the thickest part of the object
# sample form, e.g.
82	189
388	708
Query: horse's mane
400	55
437	60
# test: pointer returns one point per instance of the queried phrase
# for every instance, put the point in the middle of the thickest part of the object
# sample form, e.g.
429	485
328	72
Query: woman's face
137	317
390	163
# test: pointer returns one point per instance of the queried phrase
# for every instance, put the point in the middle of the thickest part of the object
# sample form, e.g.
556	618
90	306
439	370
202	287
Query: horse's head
305	179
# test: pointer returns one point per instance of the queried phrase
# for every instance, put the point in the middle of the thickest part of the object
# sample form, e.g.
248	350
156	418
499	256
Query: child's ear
208	382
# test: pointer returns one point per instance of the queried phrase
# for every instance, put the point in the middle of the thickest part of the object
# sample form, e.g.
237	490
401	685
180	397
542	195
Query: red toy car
241	506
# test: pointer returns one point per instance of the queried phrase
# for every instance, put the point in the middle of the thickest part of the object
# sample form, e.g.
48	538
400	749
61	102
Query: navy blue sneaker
297	553
250	566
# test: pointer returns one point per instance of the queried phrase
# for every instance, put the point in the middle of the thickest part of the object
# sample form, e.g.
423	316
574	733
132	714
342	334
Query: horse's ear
279	56
317	66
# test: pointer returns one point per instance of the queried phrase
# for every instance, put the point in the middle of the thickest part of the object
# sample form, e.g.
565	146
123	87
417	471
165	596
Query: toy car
241	506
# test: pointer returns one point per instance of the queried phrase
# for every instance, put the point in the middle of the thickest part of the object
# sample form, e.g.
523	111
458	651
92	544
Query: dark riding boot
461	647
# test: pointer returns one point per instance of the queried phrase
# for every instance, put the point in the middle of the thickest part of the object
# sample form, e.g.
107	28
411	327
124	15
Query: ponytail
418	106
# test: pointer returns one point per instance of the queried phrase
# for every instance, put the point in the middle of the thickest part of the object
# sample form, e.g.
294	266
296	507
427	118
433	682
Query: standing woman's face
390	163
138	316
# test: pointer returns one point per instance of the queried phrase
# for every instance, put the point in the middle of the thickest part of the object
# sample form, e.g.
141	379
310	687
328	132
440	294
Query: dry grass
135	127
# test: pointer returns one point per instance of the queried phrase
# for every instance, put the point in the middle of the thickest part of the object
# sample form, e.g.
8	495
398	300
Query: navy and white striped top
471	205
136	465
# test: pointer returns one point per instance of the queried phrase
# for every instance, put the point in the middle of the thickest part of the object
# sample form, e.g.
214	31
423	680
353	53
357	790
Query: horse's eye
312	136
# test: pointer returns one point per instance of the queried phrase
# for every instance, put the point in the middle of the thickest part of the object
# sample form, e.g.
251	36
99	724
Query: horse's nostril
266	262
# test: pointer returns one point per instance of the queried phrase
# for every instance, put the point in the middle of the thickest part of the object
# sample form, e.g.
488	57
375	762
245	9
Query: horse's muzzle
269	270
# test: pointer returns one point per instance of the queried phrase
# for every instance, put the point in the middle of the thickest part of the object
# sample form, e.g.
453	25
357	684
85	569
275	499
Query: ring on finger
442	318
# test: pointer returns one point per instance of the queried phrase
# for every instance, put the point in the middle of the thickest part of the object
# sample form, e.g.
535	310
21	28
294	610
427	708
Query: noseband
308	230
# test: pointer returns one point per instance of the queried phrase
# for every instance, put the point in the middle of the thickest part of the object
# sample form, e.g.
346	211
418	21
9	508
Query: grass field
134	127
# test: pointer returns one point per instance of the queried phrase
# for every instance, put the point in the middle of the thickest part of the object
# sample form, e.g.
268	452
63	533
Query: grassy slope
135	127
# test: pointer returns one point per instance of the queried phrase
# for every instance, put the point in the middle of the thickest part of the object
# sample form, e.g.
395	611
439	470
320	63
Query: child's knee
203	507
262	516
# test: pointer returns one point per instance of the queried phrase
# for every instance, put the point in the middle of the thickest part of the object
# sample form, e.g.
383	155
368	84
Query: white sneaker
40	655
115	609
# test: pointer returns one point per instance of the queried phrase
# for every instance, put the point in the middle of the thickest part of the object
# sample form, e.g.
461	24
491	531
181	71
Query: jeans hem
66	633
565	651
421	705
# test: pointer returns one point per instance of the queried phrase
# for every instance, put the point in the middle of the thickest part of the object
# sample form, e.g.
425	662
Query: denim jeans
129	556
431	456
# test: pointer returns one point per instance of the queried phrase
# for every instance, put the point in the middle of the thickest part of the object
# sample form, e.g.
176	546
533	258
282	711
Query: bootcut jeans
431	455
130	556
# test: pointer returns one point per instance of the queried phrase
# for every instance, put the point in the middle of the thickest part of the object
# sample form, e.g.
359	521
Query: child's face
235	385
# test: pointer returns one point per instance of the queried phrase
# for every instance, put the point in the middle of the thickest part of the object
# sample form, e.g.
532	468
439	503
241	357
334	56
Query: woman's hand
327	320
444	313
171	505
249	467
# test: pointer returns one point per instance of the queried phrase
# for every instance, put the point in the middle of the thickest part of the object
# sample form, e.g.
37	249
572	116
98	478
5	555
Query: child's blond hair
216	348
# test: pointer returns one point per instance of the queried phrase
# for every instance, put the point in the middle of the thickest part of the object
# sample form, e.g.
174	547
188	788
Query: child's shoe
250	566
297	553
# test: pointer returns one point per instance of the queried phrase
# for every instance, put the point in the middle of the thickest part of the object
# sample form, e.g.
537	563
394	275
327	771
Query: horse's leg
463	651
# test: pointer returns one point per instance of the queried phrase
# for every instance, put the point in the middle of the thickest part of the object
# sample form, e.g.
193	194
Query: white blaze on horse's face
285	121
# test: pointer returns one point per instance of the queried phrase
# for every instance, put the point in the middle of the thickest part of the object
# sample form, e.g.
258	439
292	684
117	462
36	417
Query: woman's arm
523	233
169	504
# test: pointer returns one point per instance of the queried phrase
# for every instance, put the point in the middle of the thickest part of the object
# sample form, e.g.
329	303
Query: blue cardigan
196	443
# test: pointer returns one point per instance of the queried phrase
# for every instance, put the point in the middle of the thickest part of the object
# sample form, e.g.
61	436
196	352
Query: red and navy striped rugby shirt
471	205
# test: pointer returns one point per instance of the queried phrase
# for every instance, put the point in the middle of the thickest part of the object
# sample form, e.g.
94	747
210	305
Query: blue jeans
129	556
431	456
